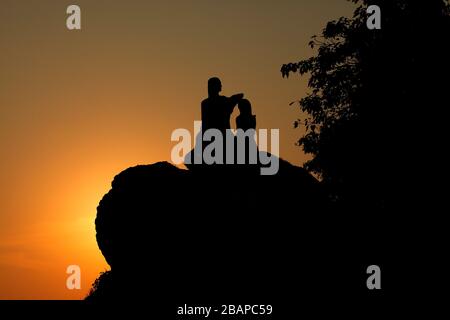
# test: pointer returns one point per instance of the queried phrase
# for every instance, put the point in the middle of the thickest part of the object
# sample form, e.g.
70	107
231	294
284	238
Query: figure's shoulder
223	100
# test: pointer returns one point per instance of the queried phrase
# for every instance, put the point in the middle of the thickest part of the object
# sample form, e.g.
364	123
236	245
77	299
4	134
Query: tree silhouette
375	109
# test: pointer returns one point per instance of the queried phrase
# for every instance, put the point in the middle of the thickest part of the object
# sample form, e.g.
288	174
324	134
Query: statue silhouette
217	109
246	120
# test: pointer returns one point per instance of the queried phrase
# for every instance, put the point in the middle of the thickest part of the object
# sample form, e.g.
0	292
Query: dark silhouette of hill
102	289
173	236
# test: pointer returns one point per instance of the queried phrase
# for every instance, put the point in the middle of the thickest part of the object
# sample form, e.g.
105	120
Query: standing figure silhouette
217	109
216	112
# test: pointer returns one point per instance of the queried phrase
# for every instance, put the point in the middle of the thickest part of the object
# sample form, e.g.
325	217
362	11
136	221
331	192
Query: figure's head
245	107
214	86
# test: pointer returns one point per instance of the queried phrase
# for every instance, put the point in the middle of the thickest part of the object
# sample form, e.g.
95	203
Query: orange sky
77	107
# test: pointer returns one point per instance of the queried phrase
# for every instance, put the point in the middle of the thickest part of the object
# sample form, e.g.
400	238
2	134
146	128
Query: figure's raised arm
235	98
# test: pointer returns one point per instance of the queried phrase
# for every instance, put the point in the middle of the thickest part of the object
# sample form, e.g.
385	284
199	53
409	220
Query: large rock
208	229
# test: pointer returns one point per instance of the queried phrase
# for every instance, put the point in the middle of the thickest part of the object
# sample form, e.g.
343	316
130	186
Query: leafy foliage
368	90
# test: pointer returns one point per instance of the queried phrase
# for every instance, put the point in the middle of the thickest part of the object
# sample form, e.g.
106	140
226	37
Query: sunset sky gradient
78	107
